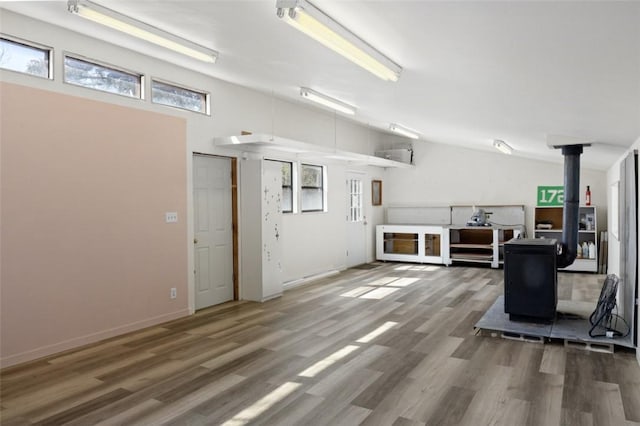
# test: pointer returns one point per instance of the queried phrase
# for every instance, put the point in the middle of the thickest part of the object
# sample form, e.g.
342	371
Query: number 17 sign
550	196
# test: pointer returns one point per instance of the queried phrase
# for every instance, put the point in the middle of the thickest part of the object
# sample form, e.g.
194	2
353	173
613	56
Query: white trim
308	279
77	342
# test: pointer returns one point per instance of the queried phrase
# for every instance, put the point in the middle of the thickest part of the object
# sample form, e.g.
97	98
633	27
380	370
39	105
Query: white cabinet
443	244
261	222
410	243
548	224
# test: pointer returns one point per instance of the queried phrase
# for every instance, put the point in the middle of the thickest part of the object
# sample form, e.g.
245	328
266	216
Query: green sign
550	196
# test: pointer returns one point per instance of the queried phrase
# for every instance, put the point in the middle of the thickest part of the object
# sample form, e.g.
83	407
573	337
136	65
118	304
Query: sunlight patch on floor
422	268
383	281
379	293
404	282
403	268
358	291
377	332
383	287
263	404
328	361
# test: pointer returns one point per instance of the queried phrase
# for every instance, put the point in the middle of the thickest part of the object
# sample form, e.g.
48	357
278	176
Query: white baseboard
306	280
76	342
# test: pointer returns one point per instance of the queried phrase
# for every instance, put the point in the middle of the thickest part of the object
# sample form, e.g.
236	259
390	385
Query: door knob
195	241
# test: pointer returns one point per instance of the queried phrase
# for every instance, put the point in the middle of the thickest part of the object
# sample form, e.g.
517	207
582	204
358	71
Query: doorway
215	238
356	220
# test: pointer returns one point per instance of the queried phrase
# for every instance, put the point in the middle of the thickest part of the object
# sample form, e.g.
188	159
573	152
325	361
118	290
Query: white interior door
356	220
213	224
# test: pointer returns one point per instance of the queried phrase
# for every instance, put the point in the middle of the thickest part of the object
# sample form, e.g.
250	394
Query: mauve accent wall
85	250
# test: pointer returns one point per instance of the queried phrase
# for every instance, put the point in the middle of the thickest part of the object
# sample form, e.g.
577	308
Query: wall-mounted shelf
261	143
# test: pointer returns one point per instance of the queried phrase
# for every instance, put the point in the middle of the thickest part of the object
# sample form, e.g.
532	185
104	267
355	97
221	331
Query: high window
25	57
179	97
94	75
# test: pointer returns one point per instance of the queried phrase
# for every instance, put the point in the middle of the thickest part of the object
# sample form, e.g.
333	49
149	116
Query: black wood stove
530	265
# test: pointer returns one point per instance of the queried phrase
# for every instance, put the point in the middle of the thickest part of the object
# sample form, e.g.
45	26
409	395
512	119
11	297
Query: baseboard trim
77	342
308	279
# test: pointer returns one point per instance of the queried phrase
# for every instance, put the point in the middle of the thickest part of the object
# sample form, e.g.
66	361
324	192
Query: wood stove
530	265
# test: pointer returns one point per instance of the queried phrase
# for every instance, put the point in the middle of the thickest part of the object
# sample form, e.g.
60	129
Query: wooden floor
392	345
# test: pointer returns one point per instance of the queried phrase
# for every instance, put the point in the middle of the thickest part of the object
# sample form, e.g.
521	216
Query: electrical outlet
171	217
174	293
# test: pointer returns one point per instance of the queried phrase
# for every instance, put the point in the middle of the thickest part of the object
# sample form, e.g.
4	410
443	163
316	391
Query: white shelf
261	143
483	244
554	214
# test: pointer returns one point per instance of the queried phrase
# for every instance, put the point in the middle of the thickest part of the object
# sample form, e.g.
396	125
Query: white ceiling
472	71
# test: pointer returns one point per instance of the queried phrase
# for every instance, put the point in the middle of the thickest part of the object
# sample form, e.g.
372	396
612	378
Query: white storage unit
443	244
548	224
411	243
479	244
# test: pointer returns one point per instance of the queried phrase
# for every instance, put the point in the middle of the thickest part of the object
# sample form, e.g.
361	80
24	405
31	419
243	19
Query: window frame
141	76
207	95
323	187
356	210
294	178
33	45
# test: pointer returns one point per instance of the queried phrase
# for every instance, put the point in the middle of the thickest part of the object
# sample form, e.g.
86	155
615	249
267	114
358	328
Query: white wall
448	175
234	109
613	175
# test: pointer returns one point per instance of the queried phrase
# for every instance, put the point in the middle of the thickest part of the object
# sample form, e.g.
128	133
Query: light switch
171	217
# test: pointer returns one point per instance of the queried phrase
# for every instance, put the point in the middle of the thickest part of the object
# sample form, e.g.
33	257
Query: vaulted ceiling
472	71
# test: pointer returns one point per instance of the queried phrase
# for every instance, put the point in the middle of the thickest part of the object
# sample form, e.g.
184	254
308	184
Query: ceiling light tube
307	18
135	28
325	100
502	146
403	131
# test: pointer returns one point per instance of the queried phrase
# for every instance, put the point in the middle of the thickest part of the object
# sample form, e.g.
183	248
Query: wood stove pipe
568	248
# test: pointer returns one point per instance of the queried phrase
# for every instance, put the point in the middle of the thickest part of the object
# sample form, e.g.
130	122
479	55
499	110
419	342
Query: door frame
234	227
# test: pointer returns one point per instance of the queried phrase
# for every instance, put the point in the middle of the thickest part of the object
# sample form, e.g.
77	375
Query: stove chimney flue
568	247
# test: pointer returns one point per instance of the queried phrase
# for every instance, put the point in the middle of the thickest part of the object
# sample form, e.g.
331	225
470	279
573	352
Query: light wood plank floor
392	345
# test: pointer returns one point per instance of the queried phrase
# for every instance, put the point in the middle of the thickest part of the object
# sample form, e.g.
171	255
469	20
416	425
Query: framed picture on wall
376	192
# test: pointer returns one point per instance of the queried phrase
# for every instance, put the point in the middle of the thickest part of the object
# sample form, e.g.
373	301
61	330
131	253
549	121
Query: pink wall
85	251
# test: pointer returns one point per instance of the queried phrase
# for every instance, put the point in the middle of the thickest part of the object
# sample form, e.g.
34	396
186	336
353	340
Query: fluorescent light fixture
325	100
307	18
403	131
502	147
133	27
